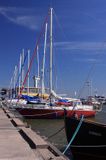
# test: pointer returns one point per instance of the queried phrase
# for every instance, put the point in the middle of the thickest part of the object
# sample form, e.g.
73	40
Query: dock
19	142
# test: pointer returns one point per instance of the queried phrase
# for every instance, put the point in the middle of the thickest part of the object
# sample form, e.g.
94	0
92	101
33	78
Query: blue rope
75	133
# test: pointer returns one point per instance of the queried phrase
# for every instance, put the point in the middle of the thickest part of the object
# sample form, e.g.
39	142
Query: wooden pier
19	142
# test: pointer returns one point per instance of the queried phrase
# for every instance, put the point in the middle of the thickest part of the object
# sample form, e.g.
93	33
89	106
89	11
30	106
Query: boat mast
22	67
15	78
51	10
38	60
38	76
28	73
43	69
10	88
20	74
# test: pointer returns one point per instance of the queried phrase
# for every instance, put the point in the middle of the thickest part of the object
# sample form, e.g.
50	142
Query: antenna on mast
51	2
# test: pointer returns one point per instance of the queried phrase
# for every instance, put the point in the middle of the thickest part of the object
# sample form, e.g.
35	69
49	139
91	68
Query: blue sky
79	38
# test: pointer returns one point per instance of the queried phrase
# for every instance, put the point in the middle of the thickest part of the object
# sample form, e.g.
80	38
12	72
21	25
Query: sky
79	41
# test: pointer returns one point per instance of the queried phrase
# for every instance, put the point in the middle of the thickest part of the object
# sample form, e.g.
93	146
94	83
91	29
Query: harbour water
53	130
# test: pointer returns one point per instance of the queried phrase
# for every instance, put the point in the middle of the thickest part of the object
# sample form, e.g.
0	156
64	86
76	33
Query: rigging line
60	26
93	17
34	53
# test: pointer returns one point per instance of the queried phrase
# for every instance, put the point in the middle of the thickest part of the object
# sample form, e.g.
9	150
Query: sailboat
50	109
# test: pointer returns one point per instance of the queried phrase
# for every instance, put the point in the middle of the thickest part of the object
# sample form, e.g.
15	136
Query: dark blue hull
90	141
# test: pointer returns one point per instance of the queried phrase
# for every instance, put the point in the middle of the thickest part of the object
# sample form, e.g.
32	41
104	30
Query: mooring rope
56	132
75	133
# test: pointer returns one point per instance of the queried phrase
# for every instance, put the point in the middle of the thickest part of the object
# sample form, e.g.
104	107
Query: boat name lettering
95	133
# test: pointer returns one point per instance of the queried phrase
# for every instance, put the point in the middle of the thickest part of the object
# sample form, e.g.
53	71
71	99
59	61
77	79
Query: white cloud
85	46
21	16
88	60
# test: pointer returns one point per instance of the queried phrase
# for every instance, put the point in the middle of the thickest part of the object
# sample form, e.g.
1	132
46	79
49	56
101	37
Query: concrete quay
18	142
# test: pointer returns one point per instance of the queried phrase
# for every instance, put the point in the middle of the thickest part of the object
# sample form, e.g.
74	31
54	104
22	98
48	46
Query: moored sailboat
46	111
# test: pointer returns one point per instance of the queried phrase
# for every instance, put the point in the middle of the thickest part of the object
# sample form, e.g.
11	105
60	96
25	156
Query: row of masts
35	78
